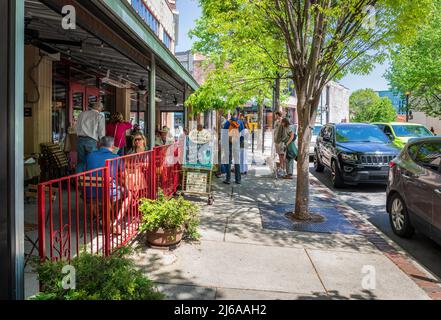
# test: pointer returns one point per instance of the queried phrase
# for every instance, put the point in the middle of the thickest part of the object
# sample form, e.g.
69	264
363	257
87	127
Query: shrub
97	278
170	213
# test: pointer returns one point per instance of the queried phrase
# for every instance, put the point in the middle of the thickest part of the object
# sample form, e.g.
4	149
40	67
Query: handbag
291	149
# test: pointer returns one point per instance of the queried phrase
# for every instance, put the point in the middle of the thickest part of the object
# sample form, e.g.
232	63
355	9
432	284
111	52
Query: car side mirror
390	136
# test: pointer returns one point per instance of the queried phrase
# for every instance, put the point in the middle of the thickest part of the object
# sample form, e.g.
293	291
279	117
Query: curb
422	277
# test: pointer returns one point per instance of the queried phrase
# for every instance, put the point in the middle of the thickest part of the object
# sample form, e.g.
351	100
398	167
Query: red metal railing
71	214
131	178
167	168
97	210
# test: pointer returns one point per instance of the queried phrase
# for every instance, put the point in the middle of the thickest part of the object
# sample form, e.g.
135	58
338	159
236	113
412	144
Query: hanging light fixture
142	89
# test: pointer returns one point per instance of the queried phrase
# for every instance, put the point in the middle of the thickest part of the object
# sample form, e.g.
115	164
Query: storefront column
185	108
38	100
11	140
152	103
123	102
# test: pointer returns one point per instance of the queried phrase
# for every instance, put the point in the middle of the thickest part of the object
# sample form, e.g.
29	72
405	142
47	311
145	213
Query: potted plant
166	220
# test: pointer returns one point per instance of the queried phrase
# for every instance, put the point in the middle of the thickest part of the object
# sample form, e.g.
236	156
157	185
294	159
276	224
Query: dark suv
414	189
355	153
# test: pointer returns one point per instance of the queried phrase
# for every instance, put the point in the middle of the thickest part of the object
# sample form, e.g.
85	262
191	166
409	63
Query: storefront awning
102	43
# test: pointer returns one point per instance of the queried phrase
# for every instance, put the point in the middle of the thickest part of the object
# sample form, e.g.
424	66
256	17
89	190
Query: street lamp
407	106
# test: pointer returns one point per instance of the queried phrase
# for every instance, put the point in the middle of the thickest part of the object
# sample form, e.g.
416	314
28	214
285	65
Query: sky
190	11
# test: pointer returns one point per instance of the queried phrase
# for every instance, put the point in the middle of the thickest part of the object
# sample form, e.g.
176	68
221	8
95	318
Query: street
370	200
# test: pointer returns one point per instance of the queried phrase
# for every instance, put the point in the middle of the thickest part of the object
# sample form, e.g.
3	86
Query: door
422	184
81	98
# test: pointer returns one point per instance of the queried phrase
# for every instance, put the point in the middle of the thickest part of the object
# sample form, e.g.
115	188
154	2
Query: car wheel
318	166
337	179
399	217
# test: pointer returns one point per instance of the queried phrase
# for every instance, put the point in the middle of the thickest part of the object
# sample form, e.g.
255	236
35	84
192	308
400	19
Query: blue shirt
240	122
95	160
241	126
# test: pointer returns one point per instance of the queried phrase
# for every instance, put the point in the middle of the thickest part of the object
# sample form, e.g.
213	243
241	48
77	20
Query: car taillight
392	164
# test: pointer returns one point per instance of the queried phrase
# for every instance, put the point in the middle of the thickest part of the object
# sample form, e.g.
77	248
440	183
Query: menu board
198	150
196	182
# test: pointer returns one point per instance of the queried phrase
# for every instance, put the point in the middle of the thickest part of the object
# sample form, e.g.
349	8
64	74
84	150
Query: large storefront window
59	111
138	108
74	91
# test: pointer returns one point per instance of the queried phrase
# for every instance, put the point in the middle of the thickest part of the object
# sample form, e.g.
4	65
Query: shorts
280	148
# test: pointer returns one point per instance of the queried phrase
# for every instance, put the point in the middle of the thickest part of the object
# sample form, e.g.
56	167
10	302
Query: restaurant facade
57	58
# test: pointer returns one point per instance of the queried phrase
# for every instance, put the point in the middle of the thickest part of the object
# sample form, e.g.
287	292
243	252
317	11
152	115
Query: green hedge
97	278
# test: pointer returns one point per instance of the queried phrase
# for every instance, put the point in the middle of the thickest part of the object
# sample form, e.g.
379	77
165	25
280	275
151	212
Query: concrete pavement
249	250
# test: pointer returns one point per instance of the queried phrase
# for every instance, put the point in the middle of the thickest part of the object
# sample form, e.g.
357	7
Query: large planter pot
164	238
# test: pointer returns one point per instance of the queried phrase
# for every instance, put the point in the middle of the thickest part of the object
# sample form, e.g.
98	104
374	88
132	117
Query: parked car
354	152
401	132
414	189
315	133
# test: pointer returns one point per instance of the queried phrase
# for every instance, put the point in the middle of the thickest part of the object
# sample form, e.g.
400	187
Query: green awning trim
123	10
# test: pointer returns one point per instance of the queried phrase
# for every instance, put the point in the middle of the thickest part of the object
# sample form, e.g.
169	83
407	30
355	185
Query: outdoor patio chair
54	162
96	183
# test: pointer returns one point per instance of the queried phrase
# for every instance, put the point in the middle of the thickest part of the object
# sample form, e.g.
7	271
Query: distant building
162	17
427	121
186	59
333	106
398	100
195	64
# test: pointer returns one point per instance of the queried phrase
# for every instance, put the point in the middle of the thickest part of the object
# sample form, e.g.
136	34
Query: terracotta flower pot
164	238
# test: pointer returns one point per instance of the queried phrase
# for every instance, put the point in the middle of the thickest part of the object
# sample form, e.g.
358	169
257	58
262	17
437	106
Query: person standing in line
234	127
278	142
289	138
90	129
117	129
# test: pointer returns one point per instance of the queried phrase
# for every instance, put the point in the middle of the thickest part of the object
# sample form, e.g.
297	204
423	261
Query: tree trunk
304	139
277	105
260	115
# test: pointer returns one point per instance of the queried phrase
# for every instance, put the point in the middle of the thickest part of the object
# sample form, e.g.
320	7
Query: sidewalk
249	250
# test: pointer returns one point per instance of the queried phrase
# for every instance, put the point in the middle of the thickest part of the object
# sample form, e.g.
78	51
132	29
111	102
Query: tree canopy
416	67
312	42
367	106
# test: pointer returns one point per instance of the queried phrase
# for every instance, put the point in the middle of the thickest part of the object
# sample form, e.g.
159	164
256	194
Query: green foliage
249	43
416	66
366	106
170	213
246	55
97	278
